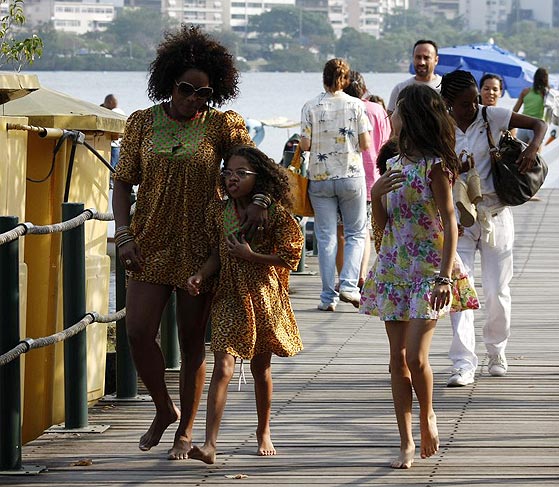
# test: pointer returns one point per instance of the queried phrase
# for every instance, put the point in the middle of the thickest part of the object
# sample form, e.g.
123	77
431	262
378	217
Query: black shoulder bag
512	187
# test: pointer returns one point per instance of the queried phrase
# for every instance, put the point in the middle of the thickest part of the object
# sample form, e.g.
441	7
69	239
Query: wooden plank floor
333	422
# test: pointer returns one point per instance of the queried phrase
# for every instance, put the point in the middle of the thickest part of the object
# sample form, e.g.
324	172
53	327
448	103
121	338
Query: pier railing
76	320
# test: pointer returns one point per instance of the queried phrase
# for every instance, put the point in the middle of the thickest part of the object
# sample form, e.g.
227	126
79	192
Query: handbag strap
296	161
493	150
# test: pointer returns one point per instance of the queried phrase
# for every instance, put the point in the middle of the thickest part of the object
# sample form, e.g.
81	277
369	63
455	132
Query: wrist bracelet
443	280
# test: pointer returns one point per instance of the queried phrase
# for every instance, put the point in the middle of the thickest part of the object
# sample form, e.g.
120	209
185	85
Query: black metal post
126	375
169	334
75	348
10	389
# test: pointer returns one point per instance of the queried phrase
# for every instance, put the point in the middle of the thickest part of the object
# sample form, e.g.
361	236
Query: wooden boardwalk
333	422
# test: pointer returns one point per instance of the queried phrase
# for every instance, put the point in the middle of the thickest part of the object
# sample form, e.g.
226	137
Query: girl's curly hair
272	179
190	48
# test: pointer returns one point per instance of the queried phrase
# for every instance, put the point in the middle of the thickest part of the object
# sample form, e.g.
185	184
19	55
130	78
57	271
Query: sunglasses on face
240	173
186	89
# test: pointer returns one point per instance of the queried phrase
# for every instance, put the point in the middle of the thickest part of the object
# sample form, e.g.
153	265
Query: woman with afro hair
172	151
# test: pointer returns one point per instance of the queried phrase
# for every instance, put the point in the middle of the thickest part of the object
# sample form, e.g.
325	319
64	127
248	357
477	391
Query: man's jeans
349	196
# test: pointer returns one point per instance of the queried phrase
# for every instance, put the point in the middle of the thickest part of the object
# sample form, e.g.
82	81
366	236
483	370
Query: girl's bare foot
180	449
203	453
405	459
429	436
160	423
265	445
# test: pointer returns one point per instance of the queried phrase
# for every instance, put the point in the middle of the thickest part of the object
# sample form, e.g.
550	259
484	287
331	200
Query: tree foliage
13	50
284	39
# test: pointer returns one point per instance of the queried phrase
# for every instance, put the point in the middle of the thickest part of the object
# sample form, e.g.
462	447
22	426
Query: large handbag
512	187
299	186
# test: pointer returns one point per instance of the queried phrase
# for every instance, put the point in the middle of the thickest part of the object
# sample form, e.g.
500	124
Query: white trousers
496	274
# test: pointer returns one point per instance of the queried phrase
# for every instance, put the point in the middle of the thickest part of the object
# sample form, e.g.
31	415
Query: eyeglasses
240	173
186	90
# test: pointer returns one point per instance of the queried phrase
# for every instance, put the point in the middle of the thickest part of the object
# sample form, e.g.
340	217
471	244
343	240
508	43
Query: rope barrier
30	343
29	228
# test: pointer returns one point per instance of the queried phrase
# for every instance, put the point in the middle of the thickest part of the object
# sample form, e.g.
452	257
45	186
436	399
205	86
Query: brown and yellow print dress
176	165
251	311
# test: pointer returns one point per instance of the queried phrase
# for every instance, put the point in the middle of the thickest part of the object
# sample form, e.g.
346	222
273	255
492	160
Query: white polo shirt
474	141
434	84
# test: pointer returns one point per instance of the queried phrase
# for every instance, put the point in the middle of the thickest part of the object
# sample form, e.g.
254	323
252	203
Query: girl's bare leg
400	378
192	318
261	368
418	345
144	306
224	366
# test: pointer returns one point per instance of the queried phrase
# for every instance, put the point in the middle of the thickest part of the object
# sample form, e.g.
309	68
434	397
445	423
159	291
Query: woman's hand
527	159
131	257
389	181
440	297
239	248
255	221
193	284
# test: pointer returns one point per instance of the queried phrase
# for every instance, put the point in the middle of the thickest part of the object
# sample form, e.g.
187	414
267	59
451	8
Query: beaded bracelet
441	280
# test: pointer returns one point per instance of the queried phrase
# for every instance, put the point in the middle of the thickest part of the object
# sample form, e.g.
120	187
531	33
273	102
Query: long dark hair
541	81
427	128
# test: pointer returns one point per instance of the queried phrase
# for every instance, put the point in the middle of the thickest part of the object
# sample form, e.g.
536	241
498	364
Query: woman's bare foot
405	459
265	445
160	423
429	436
181	447
203	453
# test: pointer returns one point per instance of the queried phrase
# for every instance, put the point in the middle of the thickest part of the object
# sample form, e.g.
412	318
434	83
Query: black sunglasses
186	89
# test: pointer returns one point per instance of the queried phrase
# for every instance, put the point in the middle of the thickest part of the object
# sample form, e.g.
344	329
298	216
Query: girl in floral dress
417	276
251	315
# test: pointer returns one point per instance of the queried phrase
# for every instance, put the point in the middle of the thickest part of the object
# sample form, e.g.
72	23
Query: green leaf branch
13	51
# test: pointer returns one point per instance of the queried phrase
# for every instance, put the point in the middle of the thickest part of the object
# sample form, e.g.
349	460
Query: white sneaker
327	306
497	366
461	377
351	297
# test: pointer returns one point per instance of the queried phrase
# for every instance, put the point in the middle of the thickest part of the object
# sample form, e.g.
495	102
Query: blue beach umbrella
481	59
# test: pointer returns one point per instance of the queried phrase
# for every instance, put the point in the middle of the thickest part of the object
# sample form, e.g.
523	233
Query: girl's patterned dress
251	311
399	285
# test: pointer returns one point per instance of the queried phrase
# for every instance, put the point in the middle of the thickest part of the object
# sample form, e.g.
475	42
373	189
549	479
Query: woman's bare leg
224	366
402	394
192	318
261	368
144	306
418	345
340	251
365	260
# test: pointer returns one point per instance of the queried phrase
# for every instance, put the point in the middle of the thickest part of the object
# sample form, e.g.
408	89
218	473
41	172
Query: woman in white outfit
493	231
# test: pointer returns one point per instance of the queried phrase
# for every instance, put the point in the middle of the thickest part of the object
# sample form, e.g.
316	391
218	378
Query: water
262	95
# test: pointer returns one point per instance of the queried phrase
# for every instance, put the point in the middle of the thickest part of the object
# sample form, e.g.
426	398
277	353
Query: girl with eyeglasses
173	151
251	315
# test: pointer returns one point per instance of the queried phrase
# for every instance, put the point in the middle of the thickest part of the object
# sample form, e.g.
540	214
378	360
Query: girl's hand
193	284
239	248
131	257
389	181
440	297
255	221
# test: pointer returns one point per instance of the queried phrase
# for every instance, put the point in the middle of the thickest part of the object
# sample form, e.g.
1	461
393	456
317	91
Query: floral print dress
400	283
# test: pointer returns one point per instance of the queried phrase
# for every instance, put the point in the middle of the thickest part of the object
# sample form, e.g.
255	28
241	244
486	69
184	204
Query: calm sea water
262	95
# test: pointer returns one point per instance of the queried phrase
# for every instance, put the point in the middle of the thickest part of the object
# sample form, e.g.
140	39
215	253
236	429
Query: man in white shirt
425	58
